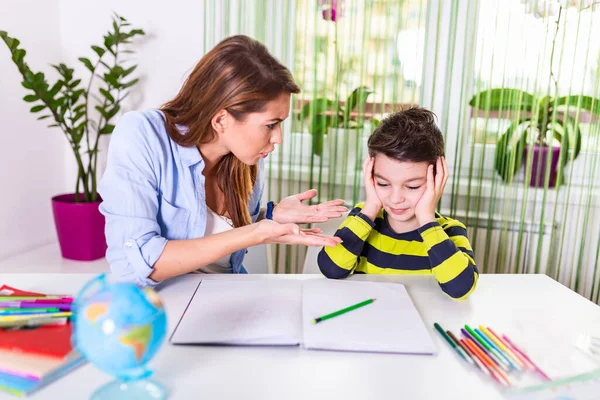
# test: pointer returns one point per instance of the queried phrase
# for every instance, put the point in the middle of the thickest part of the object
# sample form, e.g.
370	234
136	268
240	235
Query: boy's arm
451	258
340	261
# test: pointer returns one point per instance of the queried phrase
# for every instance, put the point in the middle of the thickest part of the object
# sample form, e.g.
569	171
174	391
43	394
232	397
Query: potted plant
542	125
342	123
83	113
546	122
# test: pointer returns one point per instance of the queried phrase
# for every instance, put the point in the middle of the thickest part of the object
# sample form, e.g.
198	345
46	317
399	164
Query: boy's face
399	186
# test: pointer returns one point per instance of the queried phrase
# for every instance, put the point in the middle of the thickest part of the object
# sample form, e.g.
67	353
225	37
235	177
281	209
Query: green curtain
503	76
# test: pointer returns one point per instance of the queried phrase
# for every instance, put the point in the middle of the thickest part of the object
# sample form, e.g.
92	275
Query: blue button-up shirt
153	191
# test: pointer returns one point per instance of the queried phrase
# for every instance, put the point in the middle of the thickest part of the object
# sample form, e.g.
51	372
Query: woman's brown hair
238	75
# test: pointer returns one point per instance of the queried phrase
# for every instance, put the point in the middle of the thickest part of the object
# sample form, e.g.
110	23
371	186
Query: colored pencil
515	348
486	360
492	357
490	333
468	353
501	361
496	349
453	344
343	311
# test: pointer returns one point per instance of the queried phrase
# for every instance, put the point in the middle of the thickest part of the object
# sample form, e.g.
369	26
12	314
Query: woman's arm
183	256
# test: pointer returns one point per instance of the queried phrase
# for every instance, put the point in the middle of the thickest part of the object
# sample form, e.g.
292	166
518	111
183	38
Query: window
373	43
514	48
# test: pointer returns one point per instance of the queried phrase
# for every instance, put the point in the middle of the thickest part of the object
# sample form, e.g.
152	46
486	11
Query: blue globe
119	327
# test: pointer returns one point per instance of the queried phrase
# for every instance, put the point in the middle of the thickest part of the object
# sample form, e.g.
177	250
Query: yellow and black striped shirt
440	248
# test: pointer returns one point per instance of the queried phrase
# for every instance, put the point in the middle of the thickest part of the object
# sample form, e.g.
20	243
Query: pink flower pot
538	167
80	228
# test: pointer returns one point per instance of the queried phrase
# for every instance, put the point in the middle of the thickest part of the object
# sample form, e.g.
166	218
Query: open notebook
280	312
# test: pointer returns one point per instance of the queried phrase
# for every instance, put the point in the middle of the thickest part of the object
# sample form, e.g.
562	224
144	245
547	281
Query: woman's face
256	136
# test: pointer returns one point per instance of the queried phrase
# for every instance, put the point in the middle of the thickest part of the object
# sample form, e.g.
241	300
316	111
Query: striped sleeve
451	257
340	261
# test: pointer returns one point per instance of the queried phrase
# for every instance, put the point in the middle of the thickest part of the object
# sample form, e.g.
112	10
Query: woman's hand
292	210
273	232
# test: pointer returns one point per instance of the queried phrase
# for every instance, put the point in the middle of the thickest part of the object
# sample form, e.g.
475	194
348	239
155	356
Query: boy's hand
372	203
425	208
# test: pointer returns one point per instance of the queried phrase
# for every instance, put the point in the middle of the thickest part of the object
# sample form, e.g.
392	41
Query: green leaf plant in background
68	102
542	124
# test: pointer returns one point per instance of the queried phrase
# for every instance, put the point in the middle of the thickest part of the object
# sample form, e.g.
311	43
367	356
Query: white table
47	259
531	309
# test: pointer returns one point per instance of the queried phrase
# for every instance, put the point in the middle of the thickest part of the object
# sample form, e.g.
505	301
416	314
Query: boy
396	230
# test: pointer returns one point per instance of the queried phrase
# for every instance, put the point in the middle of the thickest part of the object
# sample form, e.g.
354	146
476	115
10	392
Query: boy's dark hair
408	135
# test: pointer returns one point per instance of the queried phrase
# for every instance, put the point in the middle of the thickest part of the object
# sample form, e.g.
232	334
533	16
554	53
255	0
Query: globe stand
141	389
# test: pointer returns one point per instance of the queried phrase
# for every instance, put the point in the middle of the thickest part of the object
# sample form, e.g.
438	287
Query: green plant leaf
574	134
30	98
316	106
12	43
43	117
112	112
128	71
357	99
112	81
585	103
318	127
29	76
80	108
109	41
557	129
88	64
107	129
18	55
74	84
56	88
102	111
77	116
38	108
509	150
98	50
503	99
116	71
130	83
107	94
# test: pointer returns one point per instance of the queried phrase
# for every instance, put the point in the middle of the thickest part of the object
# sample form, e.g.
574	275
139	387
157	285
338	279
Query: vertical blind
504	77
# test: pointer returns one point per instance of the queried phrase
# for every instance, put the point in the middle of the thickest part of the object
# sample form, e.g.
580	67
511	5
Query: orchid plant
324	113
547	117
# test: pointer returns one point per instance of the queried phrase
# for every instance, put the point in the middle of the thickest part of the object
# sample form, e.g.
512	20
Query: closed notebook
280	312
48	341
31	366
22	386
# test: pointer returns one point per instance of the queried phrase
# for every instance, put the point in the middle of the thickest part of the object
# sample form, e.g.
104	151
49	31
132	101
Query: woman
182	187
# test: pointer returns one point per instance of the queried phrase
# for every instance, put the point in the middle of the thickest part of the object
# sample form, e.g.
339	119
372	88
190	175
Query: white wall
32	167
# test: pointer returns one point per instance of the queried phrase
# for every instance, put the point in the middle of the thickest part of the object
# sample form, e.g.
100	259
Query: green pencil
342	311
